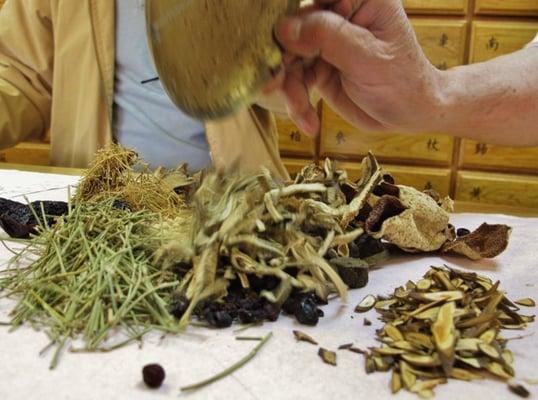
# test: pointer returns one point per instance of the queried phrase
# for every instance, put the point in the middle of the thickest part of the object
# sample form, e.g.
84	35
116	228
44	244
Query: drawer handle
295	136
481	149
492	44
433	145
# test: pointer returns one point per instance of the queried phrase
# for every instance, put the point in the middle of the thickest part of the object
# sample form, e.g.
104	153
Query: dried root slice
395	382
518	389
447	329
443	331
366	304
528	302
303	337
328	357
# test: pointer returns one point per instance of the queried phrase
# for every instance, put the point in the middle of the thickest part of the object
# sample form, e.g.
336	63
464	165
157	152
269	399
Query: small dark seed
462	232
367	322
153	375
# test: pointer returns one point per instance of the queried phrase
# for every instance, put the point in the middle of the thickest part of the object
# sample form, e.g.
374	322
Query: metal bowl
214	56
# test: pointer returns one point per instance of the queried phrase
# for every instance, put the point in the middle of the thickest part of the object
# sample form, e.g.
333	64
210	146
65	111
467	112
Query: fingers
275	83
329	36
298	103
328	82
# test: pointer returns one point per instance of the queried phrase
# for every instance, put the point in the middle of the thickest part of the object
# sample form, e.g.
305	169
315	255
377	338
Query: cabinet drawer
507	7
475	154
499	189
420	178
436	6
493	39
443	41
292	141
340	140
27	153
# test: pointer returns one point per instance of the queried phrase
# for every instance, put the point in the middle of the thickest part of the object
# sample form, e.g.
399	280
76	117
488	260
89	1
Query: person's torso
145	119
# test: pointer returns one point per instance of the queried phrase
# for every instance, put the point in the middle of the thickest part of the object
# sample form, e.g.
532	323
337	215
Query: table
284	369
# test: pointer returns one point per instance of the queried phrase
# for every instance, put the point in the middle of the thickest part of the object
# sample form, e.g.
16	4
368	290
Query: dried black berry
178	306
121	205
153	375
462	232
306	311
271	312
219	319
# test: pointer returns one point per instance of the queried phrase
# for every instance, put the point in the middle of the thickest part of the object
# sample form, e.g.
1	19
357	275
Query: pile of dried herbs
273	241
259	245
94	273
445	326
138	248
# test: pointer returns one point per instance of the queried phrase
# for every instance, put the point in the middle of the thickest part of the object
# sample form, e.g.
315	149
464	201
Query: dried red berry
153	375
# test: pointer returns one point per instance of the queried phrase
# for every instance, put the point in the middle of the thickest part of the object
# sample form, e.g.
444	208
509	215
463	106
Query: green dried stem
95	273
230	370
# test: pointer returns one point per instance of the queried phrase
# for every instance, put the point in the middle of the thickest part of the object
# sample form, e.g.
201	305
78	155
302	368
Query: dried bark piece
386	207
303	337
386	188
328	357
20	220
15	229
487	241
421	227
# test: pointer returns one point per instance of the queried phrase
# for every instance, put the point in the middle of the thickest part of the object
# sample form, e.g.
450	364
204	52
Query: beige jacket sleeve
26	62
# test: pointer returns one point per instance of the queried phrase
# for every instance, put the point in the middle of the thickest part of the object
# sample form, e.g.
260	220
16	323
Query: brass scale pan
214	56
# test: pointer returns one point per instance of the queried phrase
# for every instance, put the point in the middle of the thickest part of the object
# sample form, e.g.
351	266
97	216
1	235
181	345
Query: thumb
326	35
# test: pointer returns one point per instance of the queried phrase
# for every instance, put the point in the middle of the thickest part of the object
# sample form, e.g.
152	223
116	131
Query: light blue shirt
145	119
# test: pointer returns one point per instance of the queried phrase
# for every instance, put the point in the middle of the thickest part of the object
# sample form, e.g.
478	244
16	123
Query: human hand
369	66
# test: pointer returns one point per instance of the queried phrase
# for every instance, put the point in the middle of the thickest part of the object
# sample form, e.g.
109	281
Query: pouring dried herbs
447	329
293	237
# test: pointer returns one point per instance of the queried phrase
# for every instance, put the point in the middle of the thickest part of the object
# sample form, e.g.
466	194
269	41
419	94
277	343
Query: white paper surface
283	369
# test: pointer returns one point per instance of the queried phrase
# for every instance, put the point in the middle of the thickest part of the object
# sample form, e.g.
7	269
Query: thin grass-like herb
95	274
249	338
230	370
